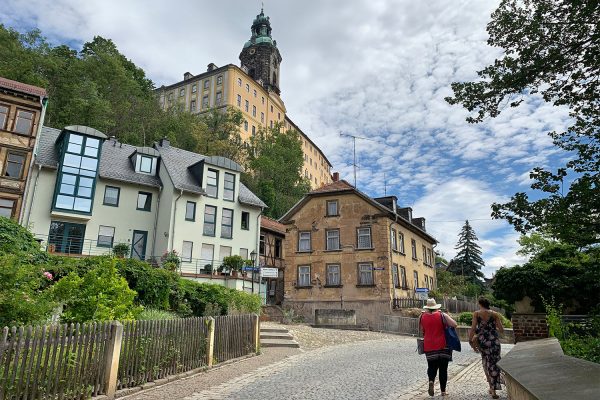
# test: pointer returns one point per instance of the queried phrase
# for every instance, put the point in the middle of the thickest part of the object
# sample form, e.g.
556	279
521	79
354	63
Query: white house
88	193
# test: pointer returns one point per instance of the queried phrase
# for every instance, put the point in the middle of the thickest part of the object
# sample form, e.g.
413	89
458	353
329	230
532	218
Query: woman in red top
434	343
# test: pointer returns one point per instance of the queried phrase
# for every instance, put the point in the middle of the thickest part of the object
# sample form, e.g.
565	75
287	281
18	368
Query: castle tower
260	54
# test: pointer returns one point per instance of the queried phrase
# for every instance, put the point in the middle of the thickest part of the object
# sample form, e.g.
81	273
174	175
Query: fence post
256	330
210	341
113	352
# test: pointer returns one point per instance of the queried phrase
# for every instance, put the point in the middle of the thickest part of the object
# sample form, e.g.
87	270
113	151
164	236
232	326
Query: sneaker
430	391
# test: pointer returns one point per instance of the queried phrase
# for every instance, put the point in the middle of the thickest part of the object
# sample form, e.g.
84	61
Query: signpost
269	272
422	293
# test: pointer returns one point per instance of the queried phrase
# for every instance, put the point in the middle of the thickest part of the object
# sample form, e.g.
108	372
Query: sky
371	68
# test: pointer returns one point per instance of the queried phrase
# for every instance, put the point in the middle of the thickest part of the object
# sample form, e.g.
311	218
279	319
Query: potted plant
208	269
233	264
170	260
120	250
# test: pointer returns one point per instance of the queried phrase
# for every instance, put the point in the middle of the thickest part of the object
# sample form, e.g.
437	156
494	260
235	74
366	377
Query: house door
138	245
65	237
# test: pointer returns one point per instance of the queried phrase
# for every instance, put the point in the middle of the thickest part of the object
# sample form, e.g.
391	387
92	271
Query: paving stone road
377	369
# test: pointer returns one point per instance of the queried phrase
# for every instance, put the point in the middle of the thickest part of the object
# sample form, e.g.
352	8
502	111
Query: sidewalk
468	384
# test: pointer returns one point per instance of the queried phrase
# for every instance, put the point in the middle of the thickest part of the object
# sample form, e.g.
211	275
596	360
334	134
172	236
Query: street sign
249	268
378	268
422	293
269	272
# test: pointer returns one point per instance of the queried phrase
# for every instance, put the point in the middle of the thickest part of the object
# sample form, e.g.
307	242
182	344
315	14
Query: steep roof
344	187
23	87
114	160
177	162
272	225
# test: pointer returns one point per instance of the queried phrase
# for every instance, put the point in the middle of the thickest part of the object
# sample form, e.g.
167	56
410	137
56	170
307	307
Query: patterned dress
489	345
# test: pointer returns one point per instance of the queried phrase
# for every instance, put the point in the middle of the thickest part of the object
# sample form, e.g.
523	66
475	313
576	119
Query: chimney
335	176
187	76
211	67
164	142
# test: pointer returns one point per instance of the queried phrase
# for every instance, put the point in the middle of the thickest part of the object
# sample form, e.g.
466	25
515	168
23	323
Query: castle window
239	101
193	105
194	88
271	107
206	83
247	88
218	98
274	78
255	93
263	100
240	82
253	130
205	101
220	80
254	111
246	105
246	126
181	92
262	117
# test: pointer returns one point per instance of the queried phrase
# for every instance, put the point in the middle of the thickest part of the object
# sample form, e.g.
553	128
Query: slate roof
114	161
177	161
22	87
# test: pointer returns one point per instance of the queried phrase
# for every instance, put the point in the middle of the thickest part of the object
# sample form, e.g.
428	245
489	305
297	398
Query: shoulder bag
420	344
452	340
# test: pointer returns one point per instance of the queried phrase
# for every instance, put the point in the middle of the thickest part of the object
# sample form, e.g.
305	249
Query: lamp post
253	259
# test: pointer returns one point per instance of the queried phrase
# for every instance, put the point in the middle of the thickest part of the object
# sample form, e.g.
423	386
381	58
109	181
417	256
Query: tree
468	262
552	49
534	243
275	160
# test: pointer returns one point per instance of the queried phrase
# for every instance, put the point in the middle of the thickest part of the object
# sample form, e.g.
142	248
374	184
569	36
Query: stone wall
530	326
367	313
335	317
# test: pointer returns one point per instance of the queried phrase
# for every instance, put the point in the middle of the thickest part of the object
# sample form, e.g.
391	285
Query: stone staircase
276	337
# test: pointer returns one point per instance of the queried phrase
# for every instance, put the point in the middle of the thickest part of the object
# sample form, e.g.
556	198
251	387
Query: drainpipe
257	250
153	254
174	220
37	176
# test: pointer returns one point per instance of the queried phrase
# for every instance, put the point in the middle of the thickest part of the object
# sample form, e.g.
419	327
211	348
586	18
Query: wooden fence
448	304
85	360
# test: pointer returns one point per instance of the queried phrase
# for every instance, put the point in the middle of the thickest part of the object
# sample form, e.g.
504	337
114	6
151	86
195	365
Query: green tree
275	158
551	49
468	262
221	134
533	244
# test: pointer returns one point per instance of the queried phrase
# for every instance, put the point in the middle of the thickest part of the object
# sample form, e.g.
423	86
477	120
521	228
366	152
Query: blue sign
378	268
421	290
249	268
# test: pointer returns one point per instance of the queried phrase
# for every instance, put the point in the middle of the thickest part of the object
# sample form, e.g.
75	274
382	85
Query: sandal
444	394
430	390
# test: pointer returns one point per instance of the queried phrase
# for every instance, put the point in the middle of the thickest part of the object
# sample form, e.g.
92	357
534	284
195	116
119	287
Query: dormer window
146	164
145	160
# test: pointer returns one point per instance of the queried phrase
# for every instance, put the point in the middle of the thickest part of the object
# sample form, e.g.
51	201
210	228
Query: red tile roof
334	187
22	87
272	225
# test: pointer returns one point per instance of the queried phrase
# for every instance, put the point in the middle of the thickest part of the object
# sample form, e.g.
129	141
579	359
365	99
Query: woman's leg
443	365
432	368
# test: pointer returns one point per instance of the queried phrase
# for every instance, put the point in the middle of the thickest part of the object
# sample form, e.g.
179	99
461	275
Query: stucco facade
22	109
344	250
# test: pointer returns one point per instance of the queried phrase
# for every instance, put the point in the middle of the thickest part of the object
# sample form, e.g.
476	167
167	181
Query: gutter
174	220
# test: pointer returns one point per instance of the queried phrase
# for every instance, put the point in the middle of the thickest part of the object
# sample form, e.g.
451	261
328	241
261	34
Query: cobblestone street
366	365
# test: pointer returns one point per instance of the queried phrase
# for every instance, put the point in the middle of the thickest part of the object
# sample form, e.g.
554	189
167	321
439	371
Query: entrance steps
277	337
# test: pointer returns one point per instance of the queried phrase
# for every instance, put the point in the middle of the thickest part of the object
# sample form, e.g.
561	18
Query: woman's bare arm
450	321
499	325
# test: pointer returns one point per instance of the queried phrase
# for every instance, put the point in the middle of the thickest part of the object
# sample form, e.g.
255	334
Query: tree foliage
534	243
275	158
468	262
552	50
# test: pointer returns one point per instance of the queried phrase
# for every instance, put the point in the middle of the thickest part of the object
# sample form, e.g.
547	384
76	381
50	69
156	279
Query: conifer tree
468	261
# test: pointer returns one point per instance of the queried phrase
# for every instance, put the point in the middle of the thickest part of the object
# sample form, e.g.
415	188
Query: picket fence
79	361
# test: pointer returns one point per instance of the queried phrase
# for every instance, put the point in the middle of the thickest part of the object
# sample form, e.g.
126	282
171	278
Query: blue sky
372	68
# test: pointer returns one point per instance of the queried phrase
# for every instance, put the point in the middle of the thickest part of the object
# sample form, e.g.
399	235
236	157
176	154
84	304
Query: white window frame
187	257
103	231
330	203
333	276
360	235
304	276
332	238
307	239
394	239
365	274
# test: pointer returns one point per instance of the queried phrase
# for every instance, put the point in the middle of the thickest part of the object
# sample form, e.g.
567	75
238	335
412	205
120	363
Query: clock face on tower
252	51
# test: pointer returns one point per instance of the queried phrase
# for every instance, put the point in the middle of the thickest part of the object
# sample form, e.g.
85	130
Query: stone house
345	250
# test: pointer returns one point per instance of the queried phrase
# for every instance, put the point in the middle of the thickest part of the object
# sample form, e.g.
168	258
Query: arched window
274	78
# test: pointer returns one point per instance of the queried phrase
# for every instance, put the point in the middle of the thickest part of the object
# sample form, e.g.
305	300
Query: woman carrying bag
433	323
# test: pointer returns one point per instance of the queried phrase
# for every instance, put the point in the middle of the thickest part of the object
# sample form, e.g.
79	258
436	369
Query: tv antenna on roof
354	137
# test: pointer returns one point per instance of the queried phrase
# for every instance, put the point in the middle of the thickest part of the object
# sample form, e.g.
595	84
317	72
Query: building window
14	165
364	238
3	116
218	98
413	246
403	277
229	187
278	248
207	254
304	241
190	211
146	164
393	239
431	286
395	279
245	220
304	275
416	279
253	130
239	100
365	274
246	105
261	245
333	277
106	235
247	88
206	83
205	102
76	180
210	217
144	201
170	96
240	82
7	208
401	242
24	122
429	258
194	88
332	208
224	251
278	116
212	178
263	100
193	105
271	123
244	253
66	237
220	80
262	117
426	278
333	239
111	196
186	251
271	107
246	126
255	94
254	111
227	224
424	255
181	92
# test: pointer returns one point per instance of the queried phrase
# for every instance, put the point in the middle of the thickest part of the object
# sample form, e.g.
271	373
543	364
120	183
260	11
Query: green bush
465	318
121	250
14	238
153	314
99	295
153	285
